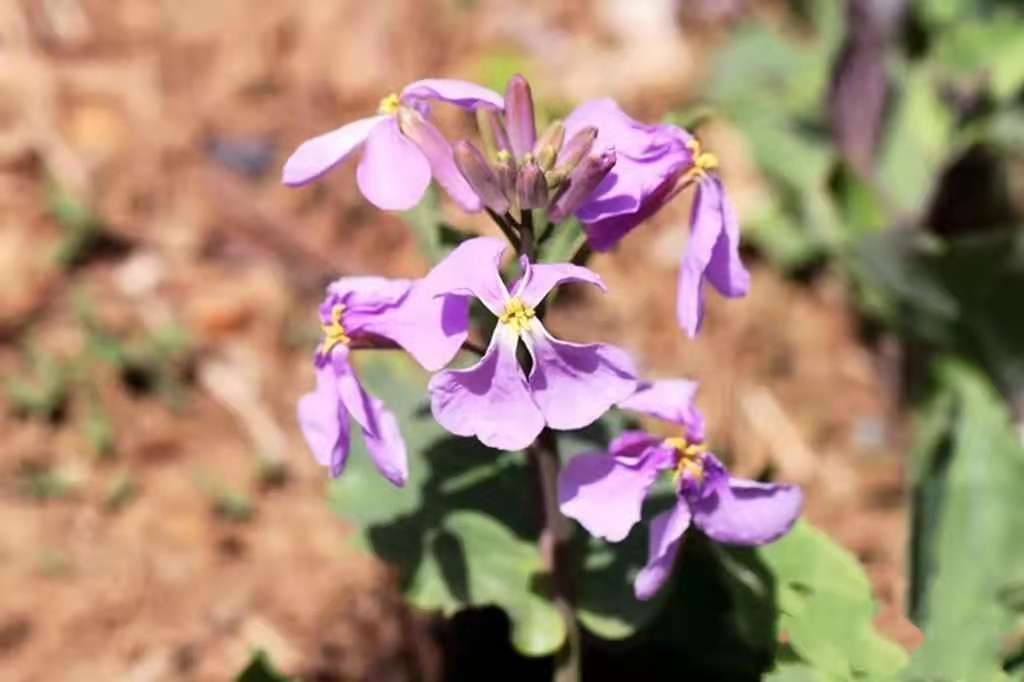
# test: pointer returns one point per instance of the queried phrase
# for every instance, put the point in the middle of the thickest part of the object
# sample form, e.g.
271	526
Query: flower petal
380	428
489	400
574	384
670	400
460	93
385	443
614	127
725	270
441	159
472	269
393	173
603	494
666	535
540	278
705	228
320	154
747	512
324	422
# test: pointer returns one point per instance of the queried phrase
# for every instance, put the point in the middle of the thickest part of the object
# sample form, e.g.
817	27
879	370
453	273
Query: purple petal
614	127
574	384
441	159
603	494
393	173
628	199
666	534
670	400
489	400
633	448
649	161
385	444
725	271
324	422
472	269
747	512
539	278
460	93
705	228
315	157
431	328
380	428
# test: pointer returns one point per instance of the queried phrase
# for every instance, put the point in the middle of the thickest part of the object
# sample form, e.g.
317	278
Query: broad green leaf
260	670
974	552
462	532
478	561
918	141
435	237
992	47
826	607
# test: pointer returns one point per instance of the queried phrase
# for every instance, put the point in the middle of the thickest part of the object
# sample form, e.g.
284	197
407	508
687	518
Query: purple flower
401	148
655	162
569	385
373	312
604	491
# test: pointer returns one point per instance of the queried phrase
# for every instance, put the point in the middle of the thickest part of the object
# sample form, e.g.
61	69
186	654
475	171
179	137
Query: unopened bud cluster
517	170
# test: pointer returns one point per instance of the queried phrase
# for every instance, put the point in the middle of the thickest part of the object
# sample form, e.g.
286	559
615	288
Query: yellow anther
517	315
388	105
503	156
334	333
689	458
702	161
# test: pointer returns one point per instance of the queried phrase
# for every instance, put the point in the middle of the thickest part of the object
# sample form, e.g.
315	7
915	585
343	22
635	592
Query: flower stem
526	232
554	550
507	228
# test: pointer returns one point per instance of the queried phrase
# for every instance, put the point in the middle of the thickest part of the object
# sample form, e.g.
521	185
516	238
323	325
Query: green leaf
474	560
435	237
965	565
826	607
918	141
462	532
260	670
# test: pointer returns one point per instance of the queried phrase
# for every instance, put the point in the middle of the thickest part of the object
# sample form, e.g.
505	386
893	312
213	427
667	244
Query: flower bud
582	183
478	174
492	129
548	144
531	187
578	146
505	171
522	130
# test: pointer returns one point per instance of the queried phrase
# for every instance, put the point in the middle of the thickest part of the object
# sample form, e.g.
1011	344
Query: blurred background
160	516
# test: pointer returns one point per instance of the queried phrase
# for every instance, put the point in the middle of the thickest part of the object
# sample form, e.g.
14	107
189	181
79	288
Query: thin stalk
508	228
553	538
554	550
474	348
526	231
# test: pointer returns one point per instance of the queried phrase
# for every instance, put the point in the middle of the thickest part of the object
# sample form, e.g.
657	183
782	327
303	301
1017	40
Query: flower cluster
609	173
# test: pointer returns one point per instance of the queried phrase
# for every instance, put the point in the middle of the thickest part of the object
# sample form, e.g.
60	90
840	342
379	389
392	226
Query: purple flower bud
492	129
582	183
505	171
522	130
479	175
548	144
531	187
578	146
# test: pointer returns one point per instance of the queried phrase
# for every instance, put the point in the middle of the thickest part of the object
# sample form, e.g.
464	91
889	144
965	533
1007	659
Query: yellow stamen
334	333
689	461
503	156
517	315
702	161
388	105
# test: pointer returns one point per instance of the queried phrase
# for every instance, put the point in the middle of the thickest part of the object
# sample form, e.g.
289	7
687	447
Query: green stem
555	531
528	248
508	228
556	559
